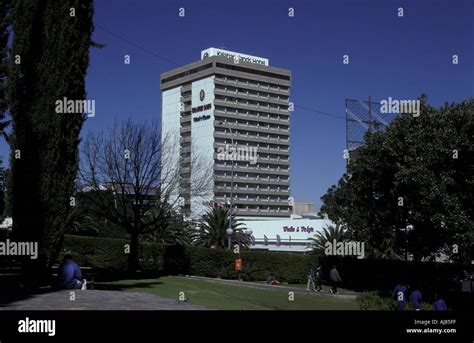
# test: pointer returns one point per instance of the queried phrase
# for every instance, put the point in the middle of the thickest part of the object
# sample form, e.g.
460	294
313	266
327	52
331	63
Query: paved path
98	300
286	288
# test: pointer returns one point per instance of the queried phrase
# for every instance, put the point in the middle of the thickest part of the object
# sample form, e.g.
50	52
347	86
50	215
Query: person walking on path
311	275
319	279
335	279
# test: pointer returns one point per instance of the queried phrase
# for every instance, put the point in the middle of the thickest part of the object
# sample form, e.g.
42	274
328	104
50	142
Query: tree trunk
134	253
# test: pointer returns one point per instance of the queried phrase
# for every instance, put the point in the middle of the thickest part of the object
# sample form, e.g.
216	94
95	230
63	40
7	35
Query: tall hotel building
222	97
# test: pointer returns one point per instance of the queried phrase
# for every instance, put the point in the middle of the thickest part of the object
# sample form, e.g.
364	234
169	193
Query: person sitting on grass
271	280
69	275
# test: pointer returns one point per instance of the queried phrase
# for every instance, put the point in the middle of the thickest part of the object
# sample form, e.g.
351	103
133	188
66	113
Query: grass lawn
229	297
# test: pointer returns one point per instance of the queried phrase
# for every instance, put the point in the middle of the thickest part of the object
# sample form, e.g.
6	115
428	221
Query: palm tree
212	230
386	250
329	234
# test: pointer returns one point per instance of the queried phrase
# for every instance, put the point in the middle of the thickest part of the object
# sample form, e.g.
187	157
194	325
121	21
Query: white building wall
294	233
202	143
170	140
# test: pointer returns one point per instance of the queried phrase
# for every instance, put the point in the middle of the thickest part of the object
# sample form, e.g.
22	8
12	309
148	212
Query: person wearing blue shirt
415	298
69	275
439	304
400	294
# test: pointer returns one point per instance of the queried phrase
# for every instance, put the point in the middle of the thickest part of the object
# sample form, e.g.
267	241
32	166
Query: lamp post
230	230
409	227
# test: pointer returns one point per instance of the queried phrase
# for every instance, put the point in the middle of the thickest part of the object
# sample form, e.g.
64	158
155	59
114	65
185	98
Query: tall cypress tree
49	60
4	34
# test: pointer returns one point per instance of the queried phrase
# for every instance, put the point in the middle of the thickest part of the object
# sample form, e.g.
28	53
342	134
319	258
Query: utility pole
370	113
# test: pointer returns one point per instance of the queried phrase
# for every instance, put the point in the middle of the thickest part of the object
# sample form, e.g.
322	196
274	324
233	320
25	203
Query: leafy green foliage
418	173
53	52
373	301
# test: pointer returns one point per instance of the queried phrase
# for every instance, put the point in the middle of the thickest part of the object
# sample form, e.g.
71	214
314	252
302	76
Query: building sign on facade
234	56
308	229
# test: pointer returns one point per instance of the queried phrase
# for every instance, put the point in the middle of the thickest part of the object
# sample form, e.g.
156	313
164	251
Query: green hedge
286	267
109	253
101	253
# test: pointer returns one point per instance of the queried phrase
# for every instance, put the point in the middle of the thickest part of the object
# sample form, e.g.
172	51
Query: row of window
261	187
251	92
251	123
247	82
234	68
248	164
262	176
254	134
186	73
241	152
258	103
256	197
245	112
269	146
252	71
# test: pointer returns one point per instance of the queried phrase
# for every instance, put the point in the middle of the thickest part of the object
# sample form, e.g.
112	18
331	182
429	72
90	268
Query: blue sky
389	57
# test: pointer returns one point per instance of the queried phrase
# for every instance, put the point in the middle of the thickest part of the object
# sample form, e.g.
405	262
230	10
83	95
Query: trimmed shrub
373	301
109	253
101	253
257	265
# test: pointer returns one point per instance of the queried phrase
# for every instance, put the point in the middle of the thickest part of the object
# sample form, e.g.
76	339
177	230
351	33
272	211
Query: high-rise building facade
229	113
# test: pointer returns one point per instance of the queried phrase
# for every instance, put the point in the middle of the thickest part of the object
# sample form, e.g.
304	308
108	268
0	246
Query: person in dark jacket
335	279
400	294
70	276
416	299
439	304
319	279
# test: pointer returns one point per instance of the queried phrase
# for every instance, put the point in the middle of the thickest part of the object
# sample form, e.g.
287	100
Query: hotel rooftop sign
234	56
